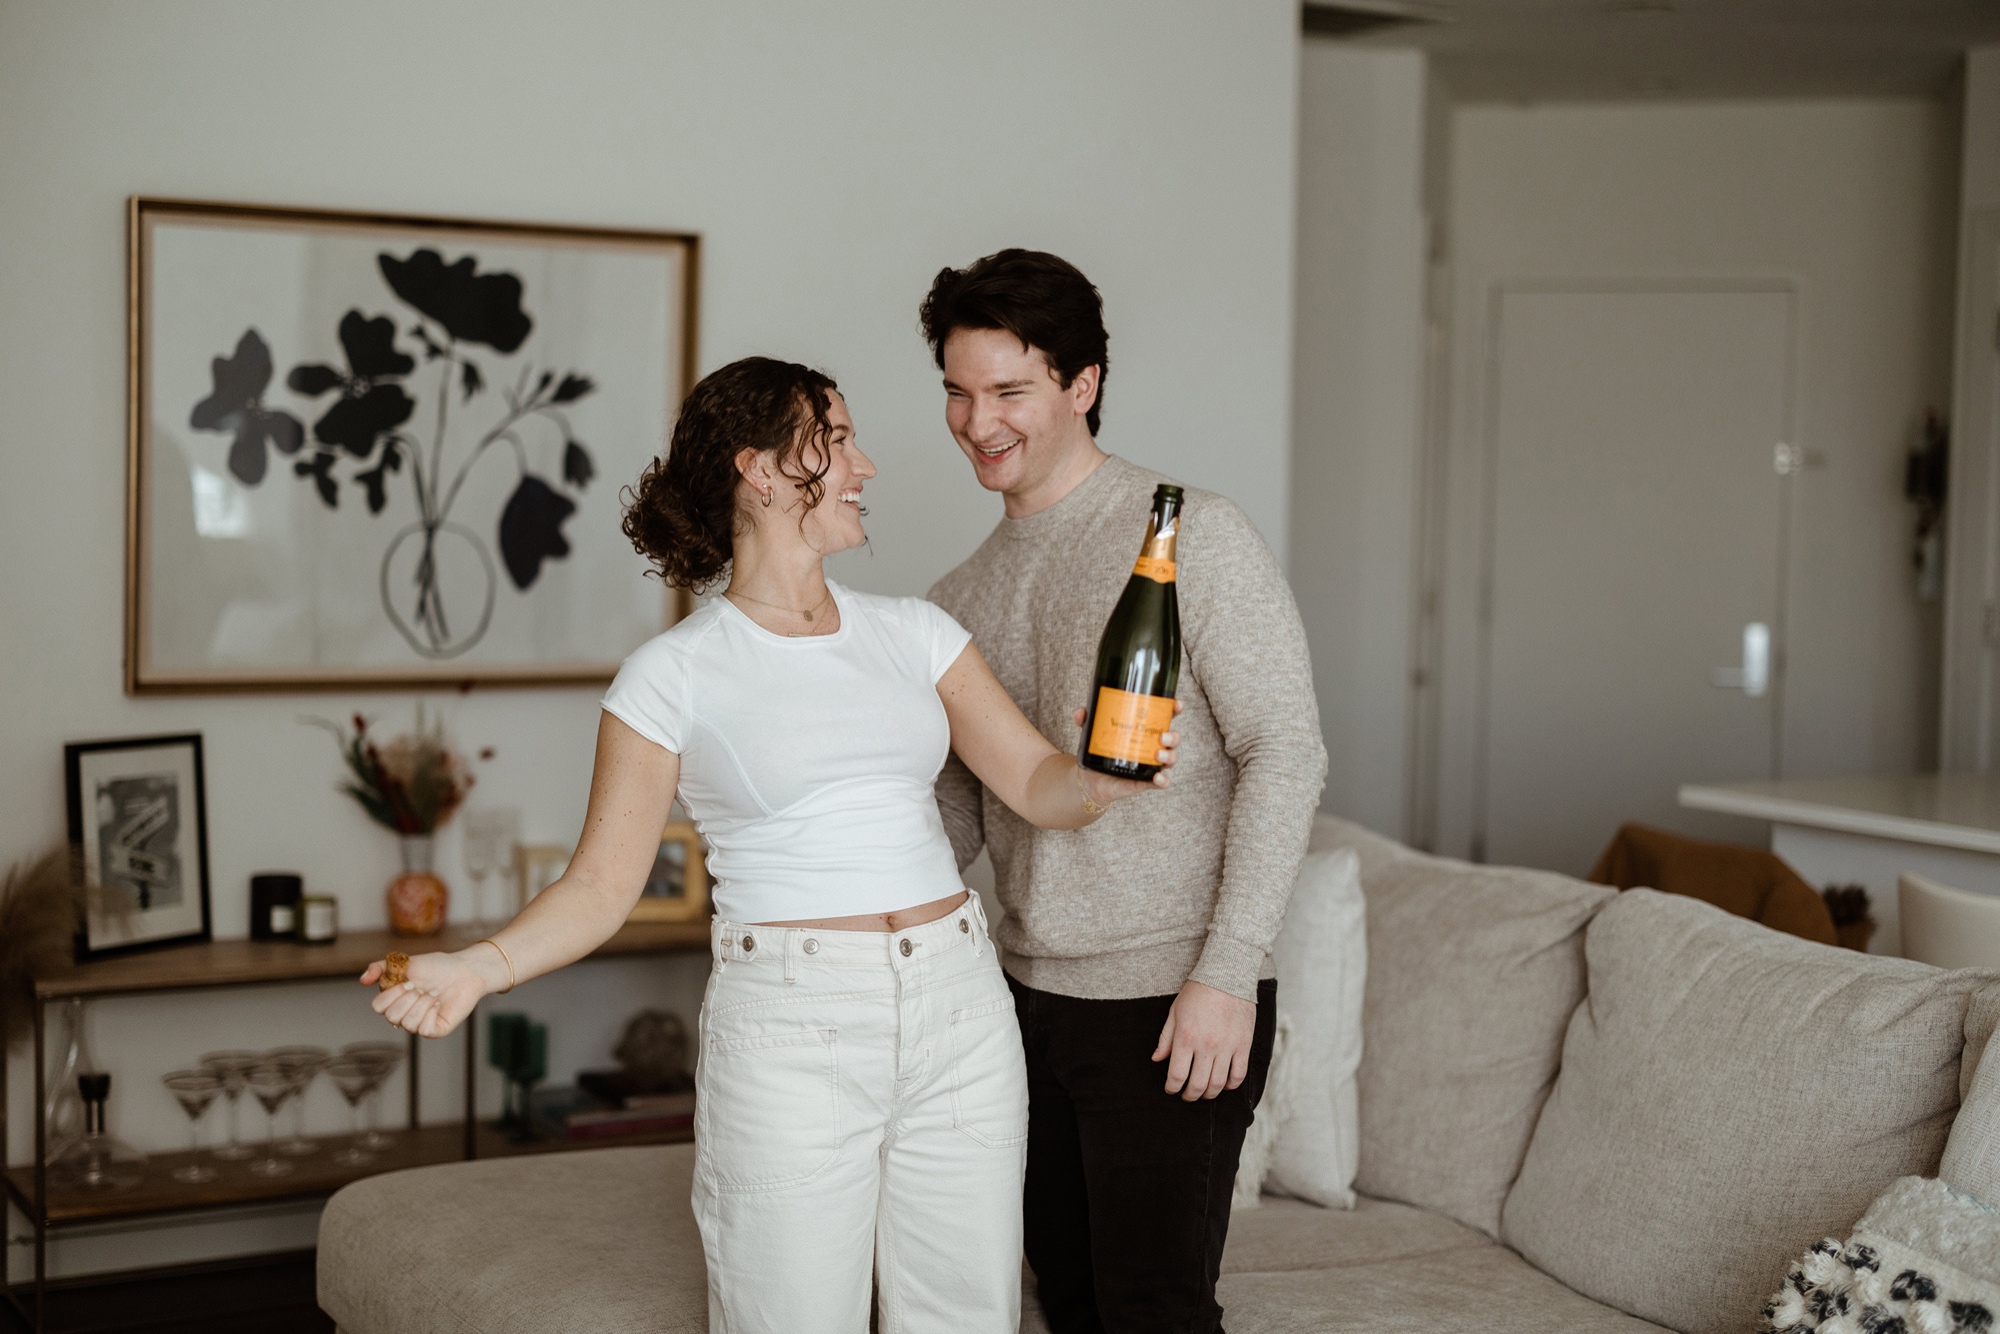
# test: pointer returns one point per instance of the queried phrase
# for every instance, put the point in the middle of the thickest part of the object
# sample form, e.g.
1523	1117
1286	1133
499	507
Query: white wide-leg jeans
862	1109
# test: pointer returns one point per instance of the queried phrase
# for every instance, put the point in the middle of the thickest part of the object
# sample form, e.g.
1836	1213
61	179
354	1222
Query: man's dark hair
1041	299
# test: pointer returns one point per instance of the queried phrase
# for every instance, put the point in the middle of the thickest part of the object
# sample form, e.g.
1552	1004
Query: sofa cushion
1309	1099
1291	1234
1971	1159
596	1242
1472	974
1486	1288
1728	1096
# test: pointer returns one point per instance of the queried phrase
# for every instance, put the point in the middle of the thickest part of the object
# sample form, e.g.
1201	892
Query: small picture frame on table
676	888
138	823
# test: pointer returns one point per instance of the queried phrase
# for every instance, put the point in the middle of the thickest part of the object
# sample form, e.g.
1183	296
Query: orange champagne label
1128	726
1157	568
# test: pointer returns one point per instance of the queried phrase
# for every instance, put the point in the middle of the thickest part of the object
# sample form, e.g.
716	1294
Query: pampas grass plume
40	906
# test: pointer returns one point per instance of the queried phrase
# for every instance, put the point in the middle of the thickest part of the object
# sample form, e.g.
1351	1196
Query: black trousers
1127	1198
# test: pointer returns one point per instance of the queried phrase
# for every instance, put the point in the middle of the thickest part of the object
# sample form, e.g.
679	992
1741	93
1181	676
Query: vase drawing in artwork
384	419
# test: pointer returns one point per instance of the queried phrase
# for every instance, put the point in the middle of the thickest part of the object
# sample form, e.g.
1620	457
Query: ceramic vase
417	898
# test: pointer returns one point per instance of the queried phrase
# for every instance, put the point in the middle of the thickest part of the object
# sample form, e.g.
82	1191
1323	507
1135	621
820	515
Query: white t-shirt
808	764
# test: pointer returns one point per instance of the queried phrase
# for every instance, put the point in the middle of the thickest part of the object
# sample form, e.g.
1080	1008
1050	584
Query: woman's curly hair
684	515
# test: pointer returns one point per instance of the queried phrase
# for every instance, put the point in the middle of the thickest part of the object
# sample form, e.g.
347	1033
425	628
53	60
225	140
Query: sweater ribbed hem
1151	970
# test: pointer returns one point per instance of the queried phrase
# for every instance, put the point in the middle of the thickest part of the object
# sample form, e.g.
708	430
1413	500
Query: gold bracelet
488	940
1083	785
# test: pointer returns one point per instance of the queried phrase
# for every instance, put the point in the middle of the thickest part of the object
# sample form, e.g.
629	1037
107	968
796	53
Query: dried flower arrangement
40	906
409	784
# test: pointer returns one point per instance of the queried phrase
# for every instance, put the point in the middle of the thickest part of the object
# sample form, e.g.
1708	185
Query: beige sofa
1579	1111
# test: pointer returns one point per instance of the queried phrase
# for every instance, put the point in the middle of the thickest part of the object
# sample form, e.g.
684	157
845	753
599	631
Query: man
1138	950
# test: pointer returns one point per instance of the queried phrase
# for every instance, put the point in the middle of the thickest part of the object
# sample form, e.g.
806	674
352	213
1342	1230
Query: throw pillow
1971	1159
1322	957
1924	1259
1473	972
1728	1096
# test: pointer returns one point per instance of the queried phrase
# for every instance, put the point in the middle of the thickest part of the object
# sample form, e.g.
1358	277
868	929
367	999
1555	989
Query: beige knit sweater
1187	883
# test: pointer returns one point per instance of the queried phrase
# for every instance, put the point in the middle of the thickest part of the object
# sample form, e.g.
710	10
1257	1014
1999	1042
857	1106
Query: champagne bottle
1139	658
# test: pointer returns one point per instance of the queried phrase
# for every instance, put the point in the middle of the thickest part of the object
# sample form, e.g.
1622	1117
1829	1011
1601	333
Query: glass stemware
195	1091
273	1084
491	834
355	1078
304	1064
383	1057
231	1066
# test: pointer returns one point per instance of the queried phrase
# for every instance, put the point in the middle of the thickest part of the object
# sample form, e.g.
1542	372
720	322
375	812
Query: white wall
1970	724
1357	410
833	156
1853	200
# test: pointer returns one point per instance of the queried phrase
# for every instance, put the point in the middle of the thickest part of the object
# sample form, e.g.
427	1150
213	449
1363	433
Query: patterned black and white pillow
1924	1259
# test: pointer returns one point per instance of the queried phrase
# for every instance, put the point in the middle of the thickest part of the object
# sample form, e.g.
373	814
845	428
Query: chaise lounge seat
603	1242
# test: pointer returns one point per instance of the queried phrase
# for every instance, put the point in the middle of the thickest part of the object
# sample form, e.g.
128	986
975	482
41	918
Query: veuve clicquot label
1139	657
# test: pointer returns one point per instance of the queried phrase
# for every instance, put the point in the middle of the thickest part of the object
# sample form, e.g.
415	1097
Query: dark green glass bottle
1139	658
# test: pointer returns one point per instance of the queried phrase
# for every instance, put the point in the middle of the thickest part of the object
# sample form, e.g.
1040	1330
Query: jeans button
907	947
964	927
749	944
812	947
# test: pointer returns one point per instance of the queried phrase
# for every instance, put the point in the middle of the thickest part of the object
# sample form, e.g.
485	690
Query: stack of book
603	1106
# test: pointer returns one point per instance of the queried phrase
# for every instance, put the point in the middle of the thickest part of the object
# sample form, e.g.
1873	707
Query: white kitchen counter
1867	831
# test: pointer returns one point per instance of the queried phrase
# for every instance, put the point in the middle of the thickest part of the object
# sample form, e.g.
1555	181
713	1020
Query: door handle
1753	678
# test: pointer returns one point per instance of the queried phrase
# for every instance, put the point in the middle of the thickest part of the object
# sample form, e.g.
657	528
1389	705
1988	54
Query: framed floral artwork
371	450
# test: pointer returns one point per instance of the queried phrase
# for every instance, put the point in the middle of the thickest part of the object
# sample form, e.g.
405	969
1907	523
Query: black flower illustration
372	403
472	307
428	599
531	528
237	406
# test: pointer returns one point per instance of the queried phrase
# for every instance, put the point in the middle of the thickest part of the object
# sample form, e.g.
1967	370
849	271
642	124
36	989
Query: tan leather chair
1952	928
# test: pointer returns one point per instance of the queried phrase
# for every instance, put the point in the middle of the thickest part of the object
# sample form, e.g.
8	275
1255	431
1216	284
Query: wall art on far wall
139	819
386	451
676	888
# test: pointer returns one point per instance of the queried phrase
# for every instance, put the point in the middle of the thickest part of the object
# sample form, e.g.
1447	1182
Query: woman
861	1096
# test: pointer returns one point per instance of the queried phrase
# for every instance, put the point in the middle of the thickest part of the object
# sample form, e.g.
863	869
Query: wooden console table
235	963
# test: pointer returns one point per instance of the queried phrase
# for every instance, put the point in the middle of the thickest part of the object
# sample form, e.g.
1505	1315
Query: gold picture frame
384	451
676	889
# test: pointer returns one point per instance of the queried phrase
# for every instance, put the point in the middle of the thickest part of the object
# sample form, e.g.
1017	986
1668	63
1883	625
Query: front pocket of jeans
769	1109
989	1083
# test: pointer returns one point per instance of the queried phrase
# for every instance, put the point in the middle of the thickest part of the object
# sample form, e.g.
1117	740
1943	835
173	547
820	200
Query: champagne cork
395	970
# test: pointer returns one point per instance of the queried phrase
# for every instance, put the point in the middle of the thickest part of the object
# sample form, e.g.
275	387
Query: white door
1635	540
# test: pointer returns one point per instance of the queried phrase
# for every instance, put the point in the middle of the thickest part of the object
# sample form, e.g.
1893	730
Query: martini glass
305	1063
230	1066
355	1078
384	1057
196	1091
272	1084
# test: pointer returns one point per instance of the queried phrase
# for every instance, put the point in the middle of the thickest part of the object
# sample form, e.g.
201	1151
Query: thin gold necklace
779	606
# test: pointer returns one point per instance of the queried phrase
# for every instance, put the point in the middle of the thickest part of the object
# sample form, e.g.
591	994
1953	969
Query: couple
877	1099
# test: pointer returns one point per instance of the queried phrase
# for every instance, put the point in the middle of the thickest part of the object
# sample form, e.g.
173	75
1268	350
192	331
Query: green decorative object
519	1049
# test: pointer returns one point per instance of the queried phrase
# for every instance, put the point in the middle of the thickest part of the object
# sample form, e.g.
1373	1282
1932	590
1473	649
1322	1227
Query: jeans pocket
768	1109
989	1075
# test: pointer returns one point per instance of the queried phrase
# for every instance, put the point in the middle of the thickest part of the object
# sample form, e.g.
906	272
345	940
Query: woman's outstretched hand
440	991
1104	789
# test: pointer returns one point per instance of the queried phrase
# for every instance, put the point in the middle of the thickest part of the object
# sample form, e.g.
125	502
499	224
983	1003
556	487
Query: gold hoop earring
767	499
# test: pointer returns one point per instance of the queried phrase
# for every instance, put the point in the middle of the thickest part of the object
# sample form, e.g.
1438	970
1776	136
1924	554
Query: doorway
1638	451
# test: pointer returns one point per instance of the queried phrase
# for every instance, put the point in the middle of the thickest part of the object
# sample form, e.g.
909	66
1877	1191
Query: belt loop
792	955
979	915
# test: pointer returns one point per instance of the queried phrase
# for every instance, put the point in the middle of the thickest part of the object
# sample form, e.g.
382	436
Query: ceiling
1535	50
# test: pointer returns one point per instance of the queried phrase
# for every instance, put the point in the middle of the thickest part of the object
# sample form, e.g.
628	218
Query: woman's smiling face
835	523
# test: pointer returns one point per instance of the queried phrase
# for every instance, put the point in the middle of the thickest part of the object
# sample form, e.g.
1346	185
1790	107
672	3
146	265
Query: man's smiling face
1011	414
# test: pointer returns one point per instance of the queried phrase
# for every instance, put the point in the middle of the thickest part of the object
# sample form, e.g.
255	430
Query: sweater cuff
1230	965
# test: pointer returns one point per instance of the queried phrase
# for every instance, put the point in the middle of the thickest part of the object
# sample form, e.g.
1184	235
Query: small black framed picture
138	818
